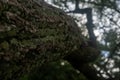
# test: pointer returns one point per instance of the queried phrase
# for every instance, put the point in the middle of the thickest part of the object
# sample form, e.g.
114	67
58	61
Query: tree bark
33	33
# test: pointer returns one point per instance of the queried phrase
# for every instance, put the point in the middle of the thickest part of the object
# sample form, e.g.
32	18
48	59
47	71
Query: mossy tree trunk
33	33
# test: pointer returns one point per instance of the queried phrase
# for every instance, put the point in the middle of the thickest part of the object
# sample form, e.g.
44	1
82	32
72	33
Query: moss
14	41
27	43
32	35
5	45
25	77
11	33
51	71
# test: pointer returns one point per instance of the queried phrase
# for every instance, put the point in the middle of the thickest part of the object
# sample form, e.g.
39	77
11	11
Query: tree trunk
33	33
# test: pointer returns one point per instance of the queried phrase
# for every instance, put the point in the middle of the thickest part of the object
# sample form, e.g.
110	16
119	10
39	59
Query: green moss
14	41
40	34
5	45
56	71
11	33
27	43
25	77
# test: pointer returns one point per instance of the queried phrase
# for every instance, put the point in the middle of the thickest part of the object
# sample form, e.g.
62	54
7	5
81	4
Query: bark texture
33	33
